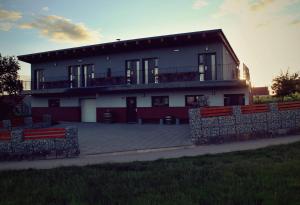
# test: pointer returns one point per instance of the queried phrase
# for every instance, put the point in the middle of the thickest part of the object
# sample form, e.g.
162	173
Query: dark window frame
187	96
161	100
55	102
216	65
227	102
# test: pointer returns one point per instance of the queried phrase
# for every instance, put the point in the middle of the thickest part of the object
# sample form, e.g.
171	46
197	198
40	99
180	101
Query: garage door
88	110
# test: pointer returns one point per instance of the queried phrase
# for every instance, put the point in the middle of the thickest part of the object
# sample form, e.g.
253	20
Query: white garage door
88	110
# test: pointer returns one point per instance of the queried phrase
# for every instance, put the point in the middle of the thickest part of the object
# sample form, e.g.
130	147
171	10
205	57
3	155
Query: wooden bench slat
43	133
45	137
44	129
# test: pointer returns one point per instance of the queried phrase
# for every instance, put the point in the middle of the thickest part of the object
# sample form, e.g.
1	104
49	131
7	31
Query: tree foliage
9	79
286	84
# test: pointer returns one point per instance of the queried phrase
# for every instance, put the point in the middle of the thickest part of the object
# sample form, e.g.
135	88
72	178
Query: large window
207	66
133	71
53	103
160	101
196	101
81	76
150	70
38	79
234	99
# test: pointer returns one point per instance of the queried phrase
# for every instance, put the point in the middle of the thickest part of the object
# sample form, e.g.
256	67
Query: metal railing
164	75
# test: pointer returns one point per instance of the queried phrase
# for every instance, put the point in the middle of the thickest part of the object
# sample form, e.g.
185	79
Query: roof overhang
132	45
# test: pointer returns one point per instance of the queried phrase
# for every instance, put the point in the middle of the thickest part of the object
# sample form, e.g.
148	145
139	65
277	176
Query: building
147	78
260	91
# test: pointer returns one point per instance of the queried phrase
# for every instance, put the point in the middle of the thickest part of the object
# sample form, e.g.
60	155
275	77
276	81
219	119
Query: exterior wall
228	61
186	58
70	109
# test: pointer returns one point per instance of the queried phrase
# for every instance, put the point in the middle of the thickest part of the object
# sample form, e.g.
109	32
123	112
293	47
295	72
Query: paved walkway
96	138
148	155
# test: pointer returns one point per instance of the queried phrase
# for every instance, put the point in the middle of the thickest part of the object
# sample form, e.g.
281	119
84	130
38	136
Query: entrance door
88	110
207	66
131	109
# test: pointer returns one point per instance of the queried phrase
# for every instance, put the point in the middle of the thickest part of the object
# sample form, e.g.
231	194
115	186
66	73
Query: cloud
295	22
60	29
198	4
6	26
261	4
46	8
8	19
6	15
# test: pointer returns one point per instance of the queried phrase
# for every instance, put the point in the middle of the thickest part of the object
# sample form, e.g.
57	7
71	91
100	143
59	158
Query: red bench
44	133
248	109
216	111
289	106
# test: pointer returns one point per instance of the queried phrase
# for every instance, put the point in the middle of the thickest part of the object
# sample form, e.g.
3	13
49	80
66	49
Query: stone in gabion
6	124
260	127
259	117
226	120
243	119
210	122
240	126
243	128
17	146
236	110
5	147
227	130
285	124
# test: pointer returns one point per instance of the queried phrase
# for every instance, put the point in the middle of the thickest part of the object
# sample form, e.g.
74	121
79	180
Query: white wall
176	98
39	102
64	102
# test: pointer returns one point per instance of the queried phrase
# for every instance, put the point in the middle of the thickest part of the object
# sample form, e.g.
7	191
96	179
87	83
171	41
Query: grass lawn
264	176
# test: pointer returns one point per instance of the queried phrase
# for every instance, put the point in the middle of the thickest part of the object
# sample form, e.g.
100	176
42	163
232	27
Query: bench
44	133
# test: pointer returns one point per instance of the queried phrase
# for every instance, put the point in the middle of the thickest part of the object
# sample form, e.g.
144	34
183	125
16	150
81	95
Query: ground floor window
234	99
160	101
196	101
53	103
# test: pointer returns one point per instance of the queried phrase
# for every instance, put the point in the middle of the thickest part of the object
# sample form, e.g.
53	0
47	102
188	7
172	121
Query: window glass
160	101
196	100
234	99
53	103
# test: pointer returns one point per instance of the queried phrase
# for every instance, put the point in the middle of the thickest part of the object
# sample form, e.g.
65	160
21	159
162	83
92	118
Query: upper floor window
38	79
53	103
150	70
133	72
160	101
81	75
207	66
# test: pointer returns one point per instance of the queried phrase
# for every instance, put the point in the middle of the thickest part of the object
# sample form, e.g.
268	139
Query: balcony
134	78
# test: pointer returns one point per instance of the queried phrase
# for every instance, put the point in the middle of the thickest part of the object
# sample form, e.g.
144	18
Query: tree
10	85
9	79
285	84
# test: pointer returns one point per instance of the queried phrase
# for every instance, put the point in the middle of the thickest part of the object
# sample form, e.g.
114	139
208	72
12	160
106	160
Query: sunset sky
265	34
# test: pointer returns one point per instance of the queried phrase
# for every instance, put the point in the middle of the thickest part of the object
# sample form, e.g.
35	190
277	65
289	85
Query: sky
265	34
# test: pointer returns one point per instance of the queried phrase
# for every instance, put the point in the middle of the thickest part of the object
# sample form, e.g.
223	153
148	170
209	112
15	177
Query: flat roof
132	44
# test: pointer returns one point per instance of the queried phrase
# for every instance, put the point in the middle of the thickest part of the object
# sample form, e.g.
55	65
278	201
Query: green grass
264	176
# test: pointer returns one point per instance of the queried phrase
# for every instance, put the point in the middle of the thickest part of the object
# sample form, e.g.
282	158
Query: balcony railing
164	75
